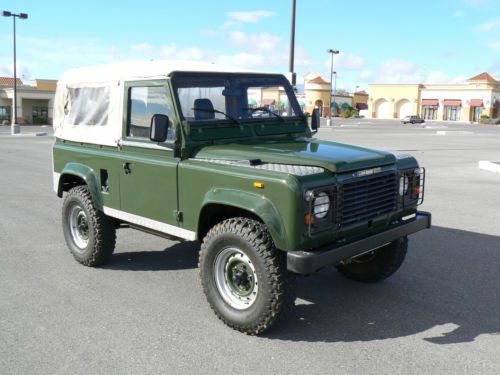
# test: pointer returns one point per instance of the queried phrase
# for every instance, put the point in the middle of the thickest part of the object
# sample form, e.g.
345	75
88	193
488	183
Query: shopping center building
479	95
34	102
317	94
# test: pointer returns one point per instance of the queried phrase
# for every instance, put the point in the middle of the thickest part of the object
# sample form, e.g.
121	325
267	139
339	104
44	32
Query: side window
144	102
87	106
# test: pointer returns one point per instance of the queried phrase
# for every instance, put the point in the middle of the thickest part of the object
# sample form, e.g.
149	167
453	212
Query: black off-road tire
378	265
100	229
276	286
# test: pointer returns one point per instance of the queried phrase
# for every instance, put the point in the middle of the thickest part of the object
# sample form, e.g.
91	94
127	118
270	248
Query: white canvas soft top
89	101
133	70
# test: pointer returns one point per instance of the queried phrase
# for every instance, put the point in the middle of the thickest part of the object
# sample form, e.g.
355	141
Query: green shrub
484	117
346	113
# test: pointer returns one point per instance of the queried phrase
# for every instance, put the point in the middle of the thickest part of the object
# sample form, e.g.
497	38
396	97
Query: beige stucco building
479	95
35	102
317	95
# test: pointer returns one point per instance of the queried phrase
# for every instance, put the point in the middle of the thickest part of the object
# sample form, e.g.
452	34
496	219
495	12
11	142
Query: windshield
205	97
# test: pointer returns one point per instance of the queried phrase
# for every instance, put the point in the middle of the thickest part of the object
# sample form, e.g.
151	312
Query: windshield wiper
216	111
264	109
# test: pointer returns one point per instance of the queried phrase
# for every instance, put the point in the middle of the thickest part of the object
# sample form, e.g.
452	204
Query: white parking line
491	166
454	132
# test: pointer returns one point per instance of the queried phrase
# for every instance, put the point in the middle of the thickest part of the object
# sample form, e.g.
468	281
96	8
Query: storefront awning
476	103
346	105
268	102
361	106
335	105
453	103
433	102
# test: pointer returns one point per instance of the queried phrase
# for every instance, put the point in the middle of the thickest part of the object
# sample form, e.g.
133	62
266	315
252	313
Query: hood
333	156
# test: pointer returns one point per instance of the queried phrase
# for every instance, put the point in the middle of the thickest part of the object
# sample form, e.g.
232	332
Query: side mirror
315	120
159	128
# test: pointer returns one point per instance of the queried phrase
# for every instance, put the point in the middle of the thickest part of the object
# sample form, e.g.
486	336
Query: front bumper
307	262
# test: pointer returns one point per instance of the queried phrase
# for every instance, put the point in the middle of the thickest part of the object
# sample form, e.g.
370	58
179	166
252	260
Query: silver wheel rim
79	227
236	278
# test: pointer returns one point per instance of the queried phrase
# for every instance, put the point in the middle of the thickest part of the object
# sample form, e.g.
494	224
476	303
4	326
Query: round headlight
321	205
403	185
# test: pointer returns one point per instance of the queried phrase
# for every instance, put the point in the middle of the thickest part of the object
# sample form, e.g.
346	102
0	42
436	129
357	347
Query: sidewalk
27	131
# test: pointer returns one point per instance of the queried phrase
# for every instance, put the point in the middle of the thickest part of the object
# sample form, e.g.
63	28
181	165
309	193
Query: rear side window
87	106
144	102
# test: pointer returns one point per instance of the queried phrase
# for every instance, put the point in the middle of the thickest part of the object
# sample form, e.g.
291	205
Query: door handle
126	168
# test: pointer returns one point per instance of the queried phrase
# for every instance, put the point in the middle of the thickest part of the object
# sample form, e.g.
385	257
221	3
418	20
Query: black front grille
366	198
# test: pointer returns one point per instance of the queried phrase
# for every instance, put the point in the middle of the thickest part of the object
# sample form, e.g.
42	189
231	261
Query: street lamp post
332	52
15	127
335	89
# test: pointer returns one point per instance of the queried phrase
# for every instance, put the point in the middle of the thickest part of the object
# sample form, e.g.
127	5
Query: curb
37	134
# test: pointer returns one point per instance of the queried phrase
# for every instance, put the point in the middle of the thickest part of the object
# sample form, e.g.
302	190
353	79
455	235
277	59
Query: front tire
378	264
244	277
90	235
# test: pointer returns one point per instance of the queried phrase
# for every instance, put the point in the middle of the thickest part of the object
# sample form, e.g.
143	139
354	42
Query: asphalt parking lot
145	311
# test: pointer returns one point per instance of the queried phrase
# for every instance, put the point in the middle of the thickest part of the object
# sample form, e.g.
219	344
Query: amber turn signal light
309	219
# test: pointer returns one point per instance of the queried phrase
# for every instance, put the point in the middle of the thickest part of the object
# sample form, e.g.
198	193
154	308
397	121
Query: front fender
86	174
255	203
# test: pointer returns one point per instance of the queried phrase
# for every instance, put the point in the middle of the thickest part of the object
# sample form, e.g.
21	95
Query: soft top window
87	106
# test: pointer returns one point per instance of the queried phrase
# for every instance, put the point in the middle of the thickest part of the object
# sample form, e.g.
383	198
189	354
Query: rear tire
90	235
378	264
244	277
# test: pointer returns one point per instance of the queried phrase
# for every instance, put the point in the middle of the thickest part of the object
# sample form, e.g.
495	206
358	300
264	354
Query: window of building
144	102
4	114
429	112
452	113
40	115
476	113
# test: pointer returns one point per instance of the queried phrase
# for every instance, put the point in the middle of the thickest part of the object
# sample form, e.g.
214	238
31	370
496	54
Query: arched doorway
319	104
382	109
403	108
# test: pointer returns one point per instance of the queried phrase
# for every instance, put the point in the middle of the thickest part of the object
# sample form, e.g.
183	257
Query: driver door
148	179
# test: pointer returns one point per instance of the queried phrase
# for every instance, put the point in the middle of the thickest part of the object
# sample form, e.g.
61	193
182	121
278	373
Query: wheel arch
221	204
74	174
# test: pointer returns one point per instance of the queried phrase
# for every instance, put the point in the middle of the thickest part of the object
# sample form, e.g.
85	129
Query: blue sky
380	41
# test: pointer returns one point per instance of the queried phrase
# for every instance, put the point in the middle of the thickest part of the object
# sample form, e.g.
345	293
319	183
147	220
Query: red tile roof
268	102
7	81
483	77
361	93
318	80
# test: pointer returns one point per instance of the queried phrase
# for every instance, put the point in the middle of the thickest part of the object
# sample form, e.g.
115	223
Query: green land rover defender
203	152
